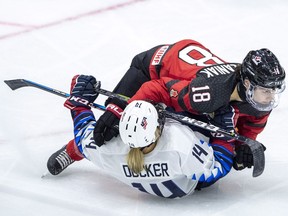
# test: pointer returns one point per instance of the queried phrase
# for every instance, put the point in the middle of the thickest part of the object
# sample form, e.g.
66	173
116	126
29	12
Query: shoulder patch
173	93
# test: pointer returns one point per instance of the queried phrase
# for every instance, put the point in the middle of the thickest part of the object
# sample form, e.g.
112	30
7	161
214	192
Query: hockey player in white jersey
155	155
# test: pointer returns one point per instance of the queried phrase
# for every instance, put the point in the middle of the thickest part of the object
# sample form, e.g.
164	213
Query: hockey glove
243	157
82	91
224	118
107	125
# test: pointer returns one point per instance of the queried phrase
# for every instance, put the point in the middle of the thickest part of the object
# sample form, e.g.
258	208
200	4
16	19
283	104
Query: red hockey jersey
189	77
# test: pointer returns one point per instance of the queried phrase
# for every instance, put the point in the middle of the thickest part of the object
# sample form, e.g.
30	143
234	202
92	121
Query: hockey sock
73	151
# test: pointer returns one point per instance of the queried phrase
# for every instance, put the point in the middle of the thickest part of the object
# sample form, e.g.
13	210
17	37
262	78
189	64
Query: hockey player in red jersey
189	77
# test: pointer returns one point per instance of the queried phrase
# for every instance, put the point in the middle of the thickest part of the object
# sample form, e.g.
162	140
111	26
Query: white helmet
138	124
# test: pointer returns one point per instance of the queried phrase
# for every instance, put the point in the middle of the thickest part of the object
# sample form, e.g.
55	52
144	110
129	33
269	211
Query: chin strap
241	91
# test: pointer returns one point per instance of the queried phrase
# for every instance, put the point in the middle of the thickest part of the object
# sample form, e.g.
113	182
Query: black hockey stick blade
258	155
19	83
16	83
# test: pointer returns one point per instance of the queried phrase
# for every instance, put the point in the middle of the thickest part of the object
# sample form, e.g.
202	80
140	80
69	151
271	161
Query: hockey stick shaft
19	83
255	146
184	119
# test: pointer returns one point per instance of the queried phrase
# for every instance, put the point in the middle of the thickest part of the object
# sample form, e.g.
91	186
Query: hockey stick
19	83
255	146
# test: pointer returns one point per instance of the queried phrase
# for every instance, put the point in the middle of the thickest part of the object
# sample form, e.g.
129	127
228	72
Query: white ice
49	41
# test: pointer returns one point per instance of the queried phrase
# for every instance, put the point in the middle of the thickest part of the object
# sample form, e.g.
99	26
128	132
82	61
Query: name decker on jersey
218	69
150	170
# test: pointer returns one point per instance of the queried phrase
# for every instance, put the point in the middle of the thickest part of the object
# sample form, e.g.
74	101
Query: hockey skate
59	161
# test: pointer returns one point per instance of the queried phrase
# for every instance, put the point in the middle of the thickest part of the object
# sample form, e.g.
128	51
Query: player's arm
82	93
214	161
223	148
154	90
223	163
173	93
251	126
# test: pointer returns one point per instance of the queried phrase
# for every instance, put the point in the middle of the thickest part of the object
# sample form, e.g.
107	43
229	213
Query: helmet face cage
263	99
138	124
263	70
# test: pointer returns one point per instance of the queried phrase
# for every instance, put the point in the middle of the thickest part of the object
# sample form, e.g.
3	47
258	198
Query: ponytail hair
135	160
135	157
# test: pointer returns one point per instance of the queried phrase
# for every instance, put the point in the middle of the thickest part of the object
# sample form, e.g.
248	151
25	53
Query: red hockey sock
73	151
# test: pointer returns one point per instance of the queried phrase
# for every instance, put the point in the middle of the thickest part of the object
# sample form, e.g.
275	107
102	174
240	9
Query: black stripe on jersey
176	191
182	93
159	65
156	190
255	125
171	83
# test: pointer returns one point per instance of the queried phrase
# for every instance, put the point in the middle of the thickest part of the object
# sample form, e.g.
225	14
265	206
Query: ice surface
50	41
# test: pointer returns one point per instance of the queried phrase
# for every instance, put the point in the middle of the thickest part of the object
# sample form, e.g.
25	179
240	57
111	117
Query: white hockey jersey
173	169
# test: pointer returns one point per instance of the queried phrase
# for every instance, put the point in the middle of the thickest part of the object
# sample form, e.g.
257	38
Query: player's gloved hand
243	157
224	118
107	125
82	91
